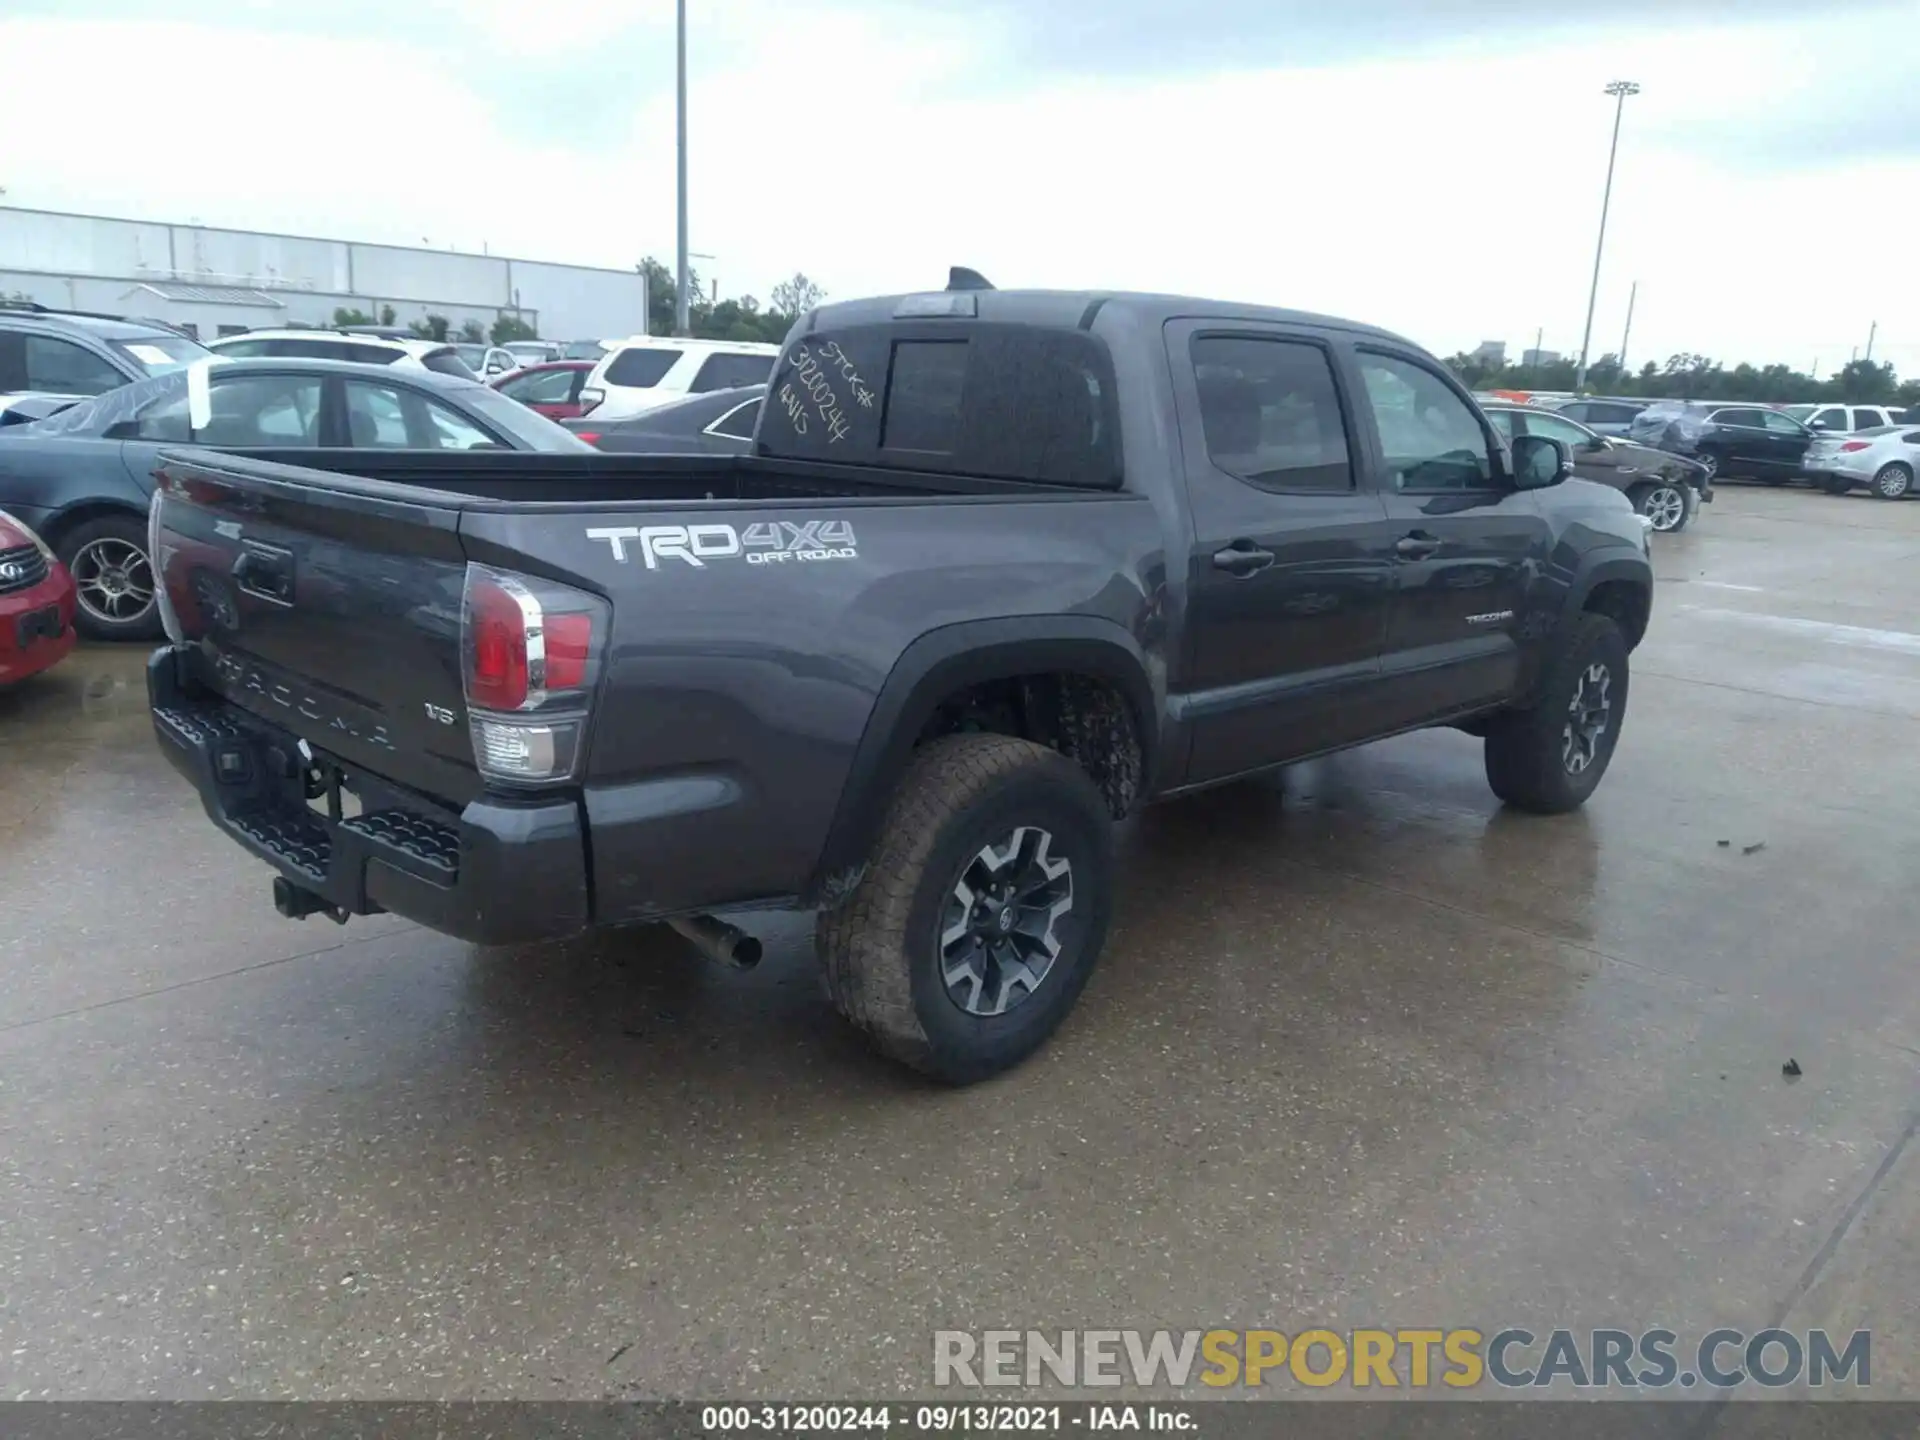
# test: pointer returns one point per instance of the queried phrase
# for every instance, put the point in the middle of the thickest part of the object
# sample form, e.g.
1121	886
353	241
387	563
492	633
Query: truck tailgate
330	611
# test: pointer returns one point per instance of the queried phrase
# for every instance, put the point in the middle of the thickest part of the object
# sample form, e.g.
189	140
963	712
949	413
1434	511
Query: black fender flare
950	659
1597	567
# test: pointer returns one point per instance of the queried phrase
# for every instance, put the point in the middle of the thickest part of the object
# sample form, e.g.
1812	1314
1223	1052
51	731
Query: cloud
1116	38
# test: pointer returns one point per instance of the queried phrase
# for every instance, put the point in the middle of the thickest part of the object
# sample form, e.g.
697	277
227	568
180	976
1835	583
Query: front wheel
1549	757
982	911
112	578
1893	481
1665	504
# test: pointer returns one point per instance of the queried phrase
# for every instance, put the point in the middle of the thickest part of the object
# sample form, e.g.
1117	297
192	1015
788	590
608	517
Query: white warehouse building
217	282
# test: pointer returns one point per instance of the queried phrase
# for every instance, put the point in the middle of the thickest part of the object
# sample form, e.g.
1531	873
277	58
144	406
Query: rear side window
366	354
730	372
447	362
1271	413
63	368
1000	401
737	423
1867	419
924	390
642	367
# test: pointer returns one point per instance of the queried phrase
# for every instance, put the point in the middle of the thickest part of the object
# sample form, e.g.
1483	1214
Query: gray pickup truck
1002	567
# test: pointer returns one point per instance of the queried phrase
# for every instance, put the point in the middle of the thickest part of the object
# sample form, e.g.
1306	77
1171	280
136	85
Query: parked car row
1666	488
83	477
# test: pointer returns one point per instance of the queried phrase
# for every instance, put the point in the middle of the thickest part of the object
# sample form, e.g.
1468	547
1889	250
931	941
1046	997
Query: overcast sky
1430	165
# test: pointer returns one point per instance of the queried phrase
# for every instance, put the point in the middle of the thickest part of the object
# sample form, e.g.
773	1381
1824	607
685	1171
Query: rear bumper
494	873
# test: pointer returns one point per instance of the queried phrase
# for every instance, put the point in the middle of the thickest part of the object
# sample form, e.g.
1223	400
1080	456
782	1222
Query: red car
552	389
36	604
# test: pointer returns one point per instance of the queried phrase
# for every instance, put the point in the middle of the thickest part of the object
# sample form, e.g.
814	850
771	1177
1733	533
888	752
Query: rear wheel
1549	757
112	578
1664	503
982	911
1893	481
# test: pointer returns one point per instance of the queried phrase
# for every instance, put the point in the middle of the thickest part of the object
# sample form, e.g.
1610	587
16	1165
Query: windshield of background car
158	354
472	356
583	350
1799	412
529	428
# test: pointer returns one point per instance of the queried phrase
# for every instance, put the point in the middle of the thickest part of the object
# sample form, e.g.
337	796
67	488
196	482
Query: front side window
392	417
1831	418
64	368
1502	420
1780	424
1740	419
730	372
642	367
542	387
1430	439
1271	414
1574	437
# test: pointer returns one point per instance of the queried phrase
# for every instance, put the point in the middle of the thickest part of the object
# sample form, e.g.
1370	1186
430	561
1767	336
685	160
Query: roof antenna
959	277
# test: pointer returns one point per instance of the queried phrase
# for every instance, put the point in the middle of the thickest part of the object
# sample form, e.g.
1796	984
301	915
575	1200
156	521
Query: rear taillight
590	398
1856	445
530	657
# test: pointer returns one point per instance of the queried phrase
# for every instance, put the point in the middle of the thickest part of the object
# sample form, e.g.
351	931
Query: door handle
1417	546
266	574
1242	558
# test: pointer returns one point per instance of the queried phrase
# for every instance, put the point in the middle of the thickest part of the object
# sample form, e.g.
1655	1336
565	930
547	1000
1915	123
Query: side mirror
1597	443
1539	462
1824	425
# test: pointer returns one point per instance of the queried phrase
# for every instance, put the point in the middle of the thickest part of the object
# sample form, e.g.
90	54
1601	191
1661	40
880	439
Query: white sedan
1885	459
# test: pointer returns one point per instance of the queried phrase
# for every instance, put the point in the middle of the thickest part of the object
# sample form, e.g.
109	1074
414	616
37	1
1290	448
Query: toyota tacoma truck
1001	568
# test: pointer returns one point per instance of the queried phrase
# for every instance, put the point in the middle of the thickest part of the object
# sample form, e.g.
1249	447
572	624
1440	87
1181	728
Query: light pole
681	321
1619	89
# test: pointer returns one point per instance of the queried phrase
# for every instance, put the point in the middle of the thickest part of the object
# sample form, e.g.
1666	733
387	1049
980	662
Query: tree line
1697	377
711	318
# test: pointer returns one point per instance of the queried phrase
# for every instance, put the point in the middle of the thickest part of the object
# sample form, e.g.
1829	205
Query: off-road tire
1524	747
880	950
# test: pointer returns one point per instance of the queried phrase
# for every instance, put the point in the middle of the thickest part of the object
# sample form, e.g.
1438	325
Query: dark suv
1746	441
76	354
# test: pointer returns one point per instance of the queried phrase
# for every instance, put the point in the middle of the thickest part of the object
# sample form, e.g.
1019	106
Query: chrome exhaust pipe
718	941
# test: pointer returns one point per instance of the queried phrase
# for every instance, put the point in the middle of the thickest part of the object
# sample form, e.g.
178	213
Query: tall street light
1620	90
681	321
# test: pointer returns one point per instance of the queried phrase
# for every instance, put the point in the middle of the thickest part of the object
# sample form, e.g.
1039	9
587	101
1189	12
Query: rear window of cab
1012	402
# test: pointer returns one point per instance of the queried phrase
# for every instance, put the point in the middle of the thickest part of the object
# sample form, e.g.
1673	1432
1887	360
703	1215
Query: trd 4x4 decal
765	542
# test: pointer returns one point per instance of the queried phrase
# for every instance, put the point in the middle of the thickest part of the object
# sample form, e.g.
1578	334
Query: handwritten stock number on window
814	377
